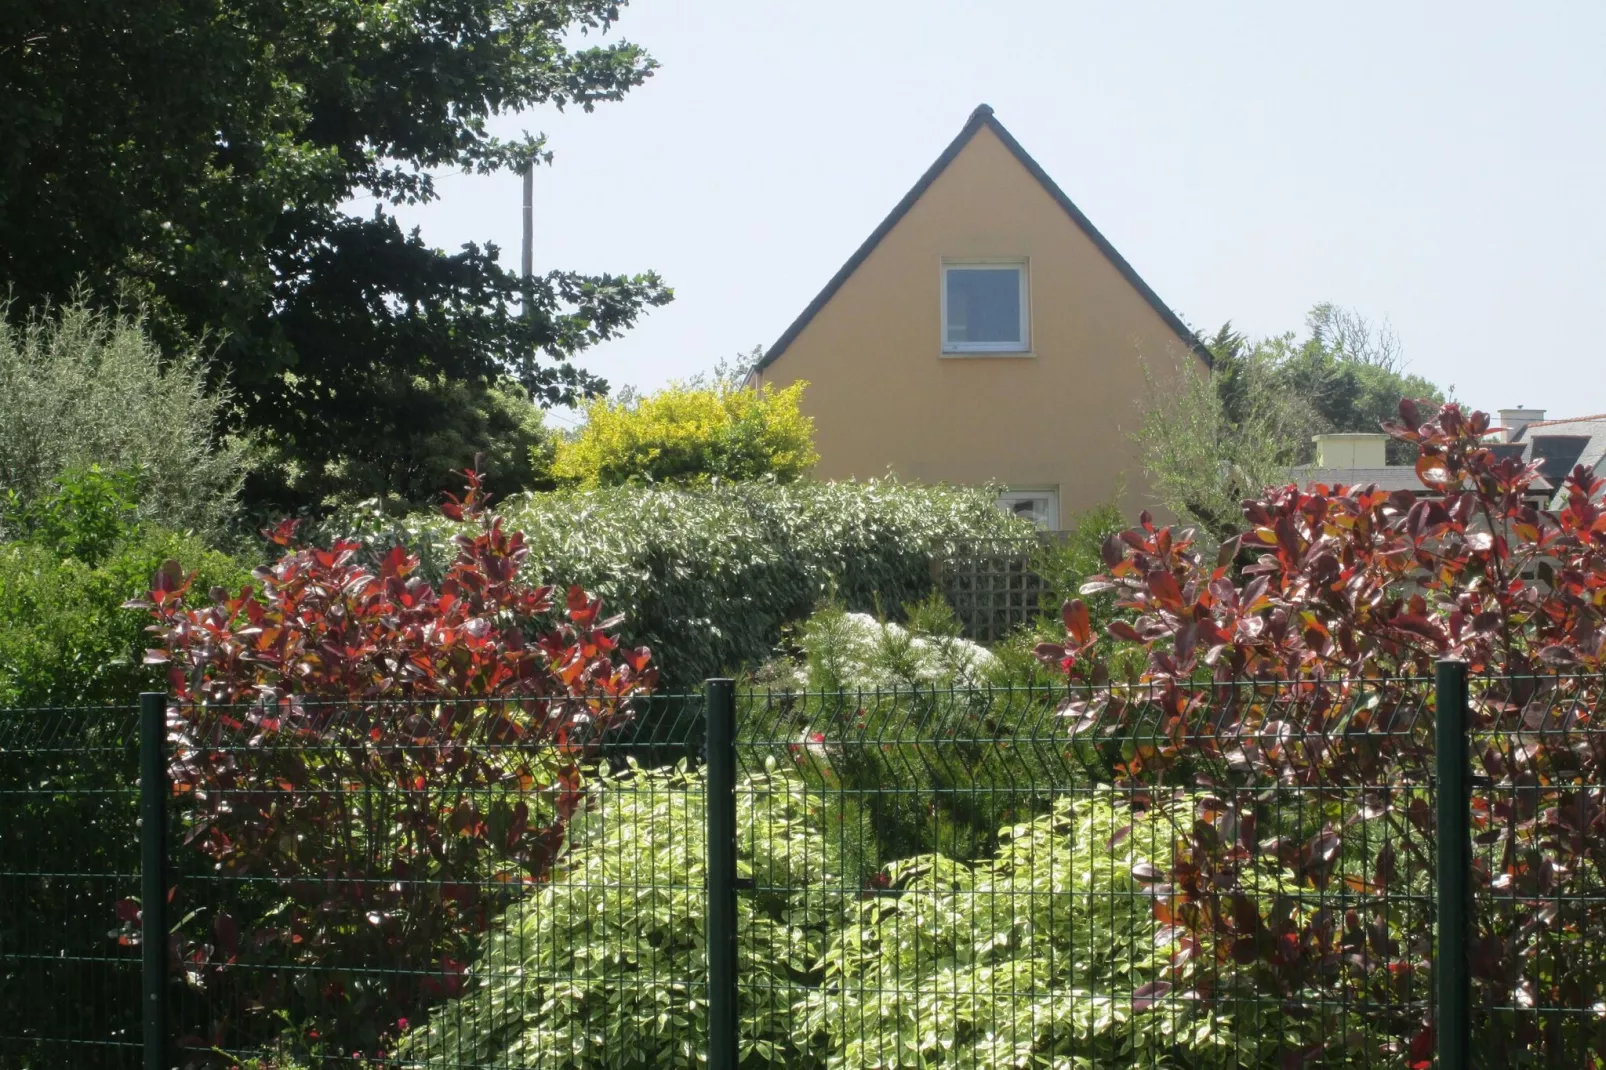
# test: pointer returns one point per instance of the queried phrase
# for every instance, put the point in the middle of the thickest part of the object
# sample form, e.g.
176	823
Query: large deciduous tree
199	157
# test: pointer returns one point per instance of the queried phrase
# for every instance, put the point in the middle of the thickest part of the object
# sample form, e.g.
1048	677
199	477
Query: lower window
1041	507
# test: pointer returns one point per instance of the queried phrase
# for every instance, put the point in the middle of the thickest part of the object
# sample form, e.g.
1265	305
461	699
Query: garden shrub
82	514
862	697
366	769
69	777
691	433
1351	596
65	638
843	651
708	576
1046	955
80	387
603	967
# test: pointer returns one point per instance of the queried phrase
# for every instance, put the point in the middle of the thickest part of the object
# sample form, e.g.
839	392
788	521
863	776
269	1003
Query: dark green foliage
199	157
432	430
69	777
1208	444
708	576
69	850
914	735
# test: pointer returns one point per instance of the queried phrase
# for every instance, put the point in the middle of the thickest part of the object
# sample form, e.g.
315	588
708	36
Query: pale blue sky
1441	166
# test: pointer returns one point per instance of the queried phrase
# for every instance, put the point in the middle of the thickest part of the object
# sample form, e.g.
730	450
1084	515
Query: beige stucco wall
883	396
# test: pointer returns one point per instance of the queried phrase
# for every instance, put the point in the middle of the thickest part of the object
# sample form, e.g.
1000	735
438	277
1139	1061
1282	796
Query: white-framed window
985	307
1040	505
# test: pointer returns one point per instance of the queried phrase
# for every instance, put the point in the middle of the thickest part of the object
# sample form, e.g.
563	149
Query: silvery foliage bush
80	388
1046	955
851	707
708	576
860	652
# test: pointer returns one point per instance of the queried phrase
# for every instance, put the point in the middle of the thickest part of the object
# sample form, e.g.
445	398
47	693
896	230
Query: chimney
1516	421
1350	450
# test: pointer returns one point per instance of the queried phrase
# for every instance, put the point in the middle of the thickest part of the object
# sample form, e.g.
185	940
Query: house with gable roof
1558	445
986	332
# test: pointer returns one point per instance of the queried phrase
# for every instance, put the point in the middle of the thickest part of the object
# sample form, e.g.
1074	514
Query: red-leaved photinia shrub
368	769
1293	696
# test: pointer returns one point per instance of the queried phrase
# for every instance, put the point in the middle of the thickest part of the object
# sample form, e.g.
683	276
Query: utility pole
529	215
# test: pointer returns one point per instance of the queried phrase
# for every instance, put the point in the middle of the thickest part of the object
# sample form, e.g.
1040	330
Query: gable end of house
980	118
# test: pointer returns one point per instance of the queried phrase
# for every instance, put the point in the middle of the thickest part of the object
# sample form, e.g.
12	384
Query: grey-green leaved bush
707	576
81	388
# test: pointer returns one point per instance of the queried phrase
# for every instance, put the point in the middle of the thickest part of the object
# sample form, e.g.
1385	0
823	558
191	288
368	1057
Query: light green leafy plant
604	967
65	638
1046	955
1040	956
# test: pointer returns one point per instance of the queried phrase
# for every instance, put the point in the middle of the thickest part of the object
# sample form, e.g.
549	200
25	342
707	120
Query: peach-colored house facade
986	332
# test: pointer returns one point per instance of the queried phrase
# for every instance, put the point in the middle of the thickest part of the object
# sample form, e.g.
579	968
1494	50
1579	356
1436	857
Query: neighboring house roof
1394	477
981	118
1580	440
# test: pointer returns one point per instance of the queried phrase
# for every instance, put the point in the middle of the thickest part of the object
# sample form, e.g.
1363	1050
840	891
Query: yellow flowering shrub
691	434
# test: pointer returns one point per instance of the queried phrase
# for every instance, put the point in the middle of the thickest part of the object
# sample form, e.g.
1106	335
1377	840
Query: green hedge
708	576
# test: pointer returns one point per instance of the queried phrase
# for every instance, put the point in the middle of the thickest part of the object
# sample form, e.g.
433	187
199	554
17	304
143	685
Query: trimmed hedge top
707	576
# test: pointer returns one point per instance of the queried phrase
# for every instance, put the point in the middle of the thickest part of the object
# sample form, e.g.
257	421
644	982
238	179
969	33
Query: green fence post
1452	892
723	1015
153	873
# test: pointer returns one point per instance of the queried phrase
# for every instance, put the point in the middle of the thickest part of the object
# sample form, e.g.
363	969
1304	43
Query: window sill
987	354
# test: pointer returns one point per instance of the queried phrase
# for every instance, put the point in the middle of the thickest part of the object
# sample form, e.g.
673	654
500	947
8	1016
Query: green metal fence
69	854
1245	875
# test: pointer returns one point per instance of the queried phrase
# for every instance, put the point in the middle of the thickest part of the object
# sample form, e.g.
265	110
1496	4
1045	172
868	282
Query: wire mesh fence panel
1238	874
1004	878
69	887
438	884
1538	934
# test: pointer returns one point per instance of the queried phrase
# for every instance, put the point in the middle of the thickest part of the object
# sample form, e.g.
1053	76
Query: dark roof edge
983	116
978	119
1171	319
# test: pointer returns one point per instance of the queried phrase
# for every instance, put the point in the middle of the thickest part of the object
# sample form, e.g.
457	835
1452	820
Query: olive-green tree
81	389
1213	440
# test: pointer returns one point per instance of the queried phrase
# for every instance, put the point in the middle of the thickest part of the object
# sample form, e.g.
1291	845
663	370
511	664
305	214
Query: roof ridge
982	115
1568	420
